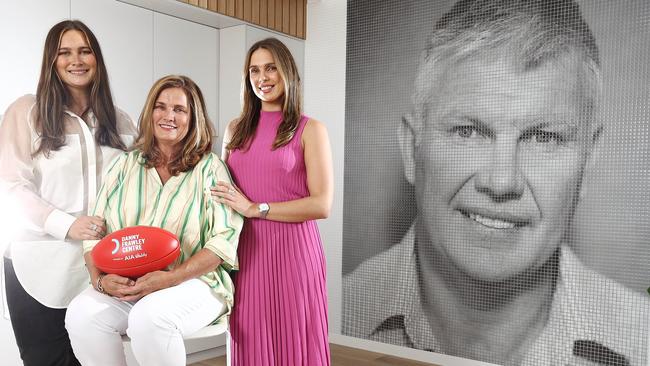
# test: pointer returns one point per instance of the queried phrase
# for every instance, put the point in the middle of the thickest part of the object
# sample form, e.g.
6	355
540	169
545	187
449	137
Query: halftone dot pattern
497	200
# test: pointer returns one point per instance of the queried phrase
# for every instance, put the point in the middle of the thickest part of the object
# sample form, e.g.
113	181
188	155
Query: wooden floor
343	356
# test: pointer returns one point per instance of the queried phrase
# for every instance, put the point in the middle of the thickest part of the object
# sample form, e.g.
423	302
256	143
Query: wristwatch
263	209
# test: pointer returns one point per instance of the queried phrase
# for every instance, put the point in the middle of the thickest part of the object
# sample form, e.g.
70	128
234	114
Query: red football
135	251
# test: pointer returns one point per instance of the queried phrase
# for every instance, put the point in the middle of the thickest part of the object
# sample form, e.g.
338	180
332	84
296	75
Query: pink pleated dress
280	312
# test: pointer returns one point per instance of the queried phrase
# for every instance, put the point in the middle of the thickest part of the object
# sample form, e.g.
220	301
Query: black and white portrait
497	174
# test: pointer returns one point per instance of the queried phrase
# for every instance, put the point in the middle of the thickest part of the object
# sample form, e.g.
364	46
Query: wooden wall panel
230	8
255	9
285	16
239	9
301	16
292	16
248	11
278	15
271	14
263	13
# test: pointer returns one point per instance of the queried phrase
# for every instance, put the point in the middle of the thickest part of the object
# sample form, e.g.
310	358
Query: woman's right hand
116	285
233	197
87	228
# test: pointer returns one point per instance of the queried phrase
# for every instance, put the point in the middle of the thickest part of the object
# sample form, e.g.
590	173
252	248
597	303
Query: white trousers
156	324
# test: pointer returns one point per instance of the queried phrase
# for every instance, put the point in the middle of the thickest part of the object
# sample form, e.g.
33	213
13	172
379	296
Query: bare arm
318	163
227	136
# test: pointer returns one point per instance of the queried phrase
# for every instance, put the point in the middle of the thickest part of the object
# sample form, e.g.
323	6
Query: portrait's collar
573	318
416	323
422	336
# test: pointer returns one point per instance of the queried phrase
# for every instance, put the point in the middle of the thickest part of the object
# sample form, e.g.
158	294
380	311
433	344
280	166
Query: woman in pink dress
282	168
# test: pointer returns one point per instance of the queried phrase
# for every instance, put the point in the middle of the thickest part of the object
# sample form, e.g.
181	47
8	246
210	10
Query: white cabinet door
190	49
125	35
231	63
23	29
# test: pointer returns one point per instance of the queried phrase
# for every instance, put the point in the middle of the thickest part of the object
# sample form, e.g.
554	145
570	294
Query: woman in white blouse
54	148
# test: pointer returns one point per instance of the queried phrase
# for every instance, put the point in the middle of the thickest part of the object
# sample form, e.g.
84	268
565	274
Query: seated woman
163	182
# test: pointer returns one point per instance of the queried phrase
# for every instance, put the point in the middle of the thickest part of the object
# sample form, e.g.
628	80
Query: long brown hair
52	95
198	140
246	123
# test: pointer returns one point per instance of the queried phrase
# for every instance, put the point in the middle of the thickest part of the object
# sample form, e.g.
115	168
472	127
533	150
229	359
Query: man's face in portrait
499	164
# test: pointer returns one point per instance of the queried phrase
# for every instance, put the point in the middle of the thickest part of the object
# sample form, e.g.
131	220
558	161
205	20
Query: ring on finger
93	227
231	191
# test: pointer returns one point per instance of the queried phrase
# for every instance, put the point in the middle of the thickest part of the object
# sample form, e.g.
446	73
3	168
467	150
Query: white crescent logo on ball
117	246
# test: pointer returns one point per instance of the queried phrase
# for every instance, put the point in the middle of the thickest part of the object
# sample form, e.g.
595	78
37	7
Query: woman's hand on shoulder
231	196
87	228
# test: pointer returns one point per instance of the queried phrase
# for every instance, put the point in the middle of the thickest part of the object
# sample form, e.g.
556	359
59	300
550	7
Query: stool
208	342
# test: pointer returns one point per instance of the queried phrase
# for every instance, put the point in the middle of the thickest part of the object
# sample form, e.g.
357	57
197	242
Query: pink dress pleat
280	312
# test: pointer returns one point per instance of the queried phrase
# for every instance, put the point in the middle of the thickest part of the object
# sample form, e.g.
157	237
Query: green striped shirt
134	195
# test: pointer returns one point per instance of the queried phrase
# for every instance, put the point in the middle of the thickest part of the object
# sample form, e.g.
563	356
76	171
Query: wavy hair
246	123
197	142
52	95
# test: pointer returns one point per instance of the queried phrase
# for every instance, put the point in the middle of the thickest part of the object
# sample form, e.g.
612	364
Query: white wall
174	37
233	50
22	43
324	88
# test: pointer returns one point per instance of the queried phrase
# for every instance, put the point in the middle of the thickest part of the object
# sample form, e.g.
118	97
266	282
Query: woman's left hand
232	196
151	282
